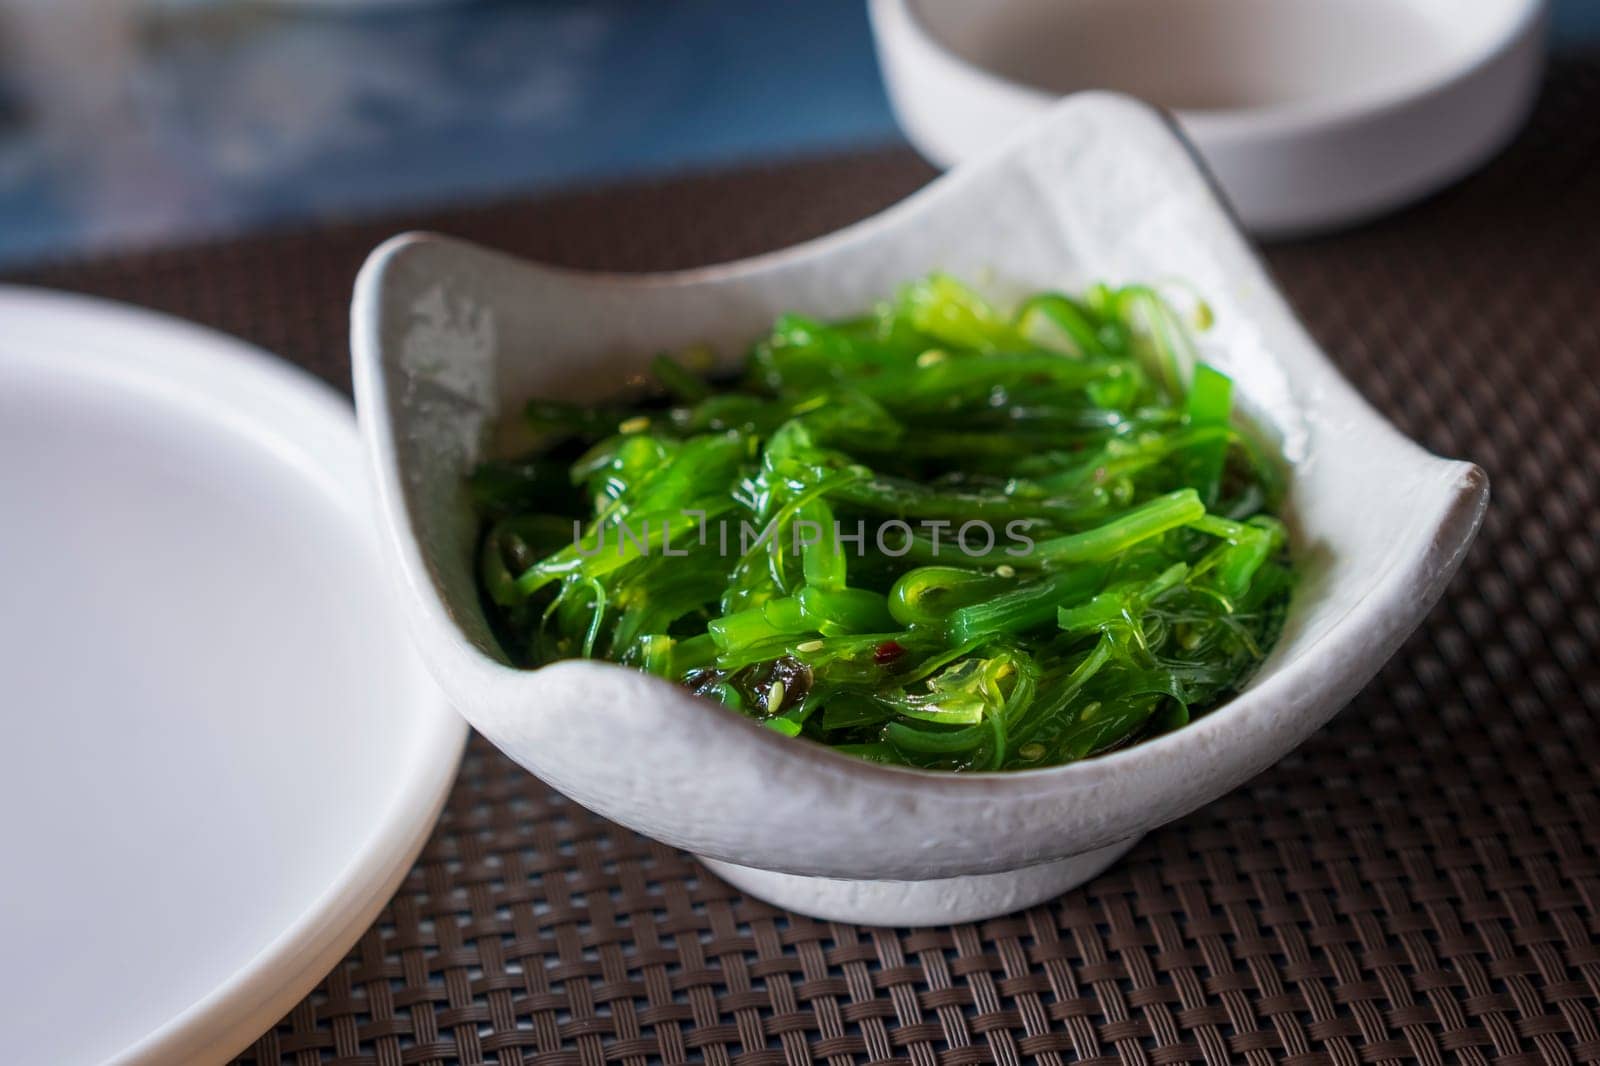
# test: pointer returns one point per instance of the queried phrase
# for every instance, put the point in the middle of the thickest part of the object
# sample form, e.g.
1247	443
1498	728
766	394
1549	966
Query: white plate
220	757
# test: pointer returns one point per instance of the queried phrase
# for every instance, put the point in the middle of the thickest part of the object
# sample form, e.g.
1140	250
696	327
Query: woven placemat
1419	883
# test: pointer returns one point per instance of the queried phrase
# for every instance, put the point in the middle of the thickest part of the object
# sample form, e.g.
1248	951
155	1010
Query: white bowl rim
1267	120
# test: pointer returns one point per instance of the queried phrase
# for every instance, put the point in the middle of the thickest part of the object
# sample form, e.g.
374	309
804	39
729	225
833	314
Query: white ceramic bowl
449	338
1312	114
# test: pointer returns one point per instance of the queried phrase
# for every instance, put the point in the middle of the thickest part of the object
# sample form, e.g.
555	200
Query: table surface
145	122
1420	882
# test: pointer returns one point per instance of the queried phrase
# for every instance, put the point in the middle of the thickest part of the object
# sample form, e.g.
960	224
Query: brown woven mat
1420	882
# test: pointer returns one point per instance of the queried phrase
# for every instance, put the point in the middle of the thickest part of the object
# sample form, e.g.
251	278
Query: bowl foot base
937	902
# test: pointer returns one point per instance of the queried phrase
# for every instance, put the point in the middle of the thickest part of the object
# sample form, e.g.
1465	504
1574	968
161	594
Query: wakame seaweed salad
935	535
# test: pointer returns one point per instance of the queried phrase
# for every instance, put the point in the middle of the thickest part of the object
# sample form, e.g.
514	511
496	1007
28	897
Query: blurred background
140	122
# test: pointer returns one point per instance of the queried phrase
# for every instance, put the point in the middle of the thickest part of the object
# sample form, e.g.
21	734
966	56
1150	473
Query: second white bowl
1311	114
